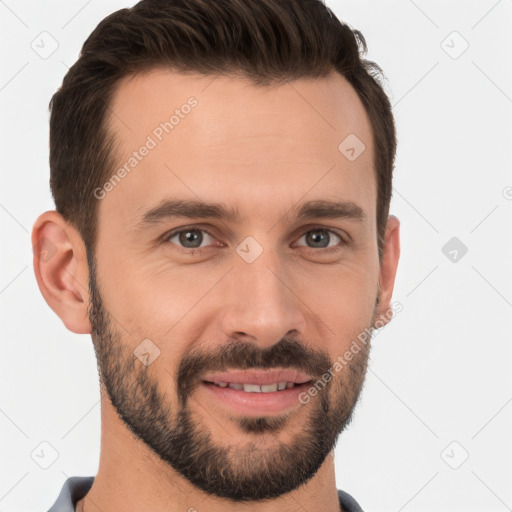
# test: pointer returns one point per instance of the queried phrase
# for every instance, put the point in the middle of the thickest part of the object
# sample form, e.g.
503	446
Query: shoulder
347	503
74	489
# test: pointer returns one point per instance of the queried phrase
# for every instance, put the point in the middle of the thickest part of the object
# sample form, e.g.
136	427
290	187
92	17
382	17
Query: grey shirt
76	487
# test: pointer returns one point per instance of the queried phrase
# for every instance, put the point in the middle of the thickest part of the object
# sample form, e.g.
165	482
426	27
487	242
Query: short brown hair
267	41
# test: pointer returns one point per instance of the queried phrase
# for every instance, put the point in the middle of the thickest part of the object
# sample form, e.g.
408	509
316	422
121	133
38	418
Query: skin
262	150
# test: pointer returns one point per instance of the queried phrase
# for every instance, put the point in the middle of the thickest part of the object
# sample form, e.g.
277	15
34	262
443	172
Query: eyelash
201	250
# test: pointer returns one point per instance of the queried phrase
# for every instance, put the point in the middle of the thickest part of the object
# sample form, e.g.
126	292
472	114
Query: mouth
257	392
256	388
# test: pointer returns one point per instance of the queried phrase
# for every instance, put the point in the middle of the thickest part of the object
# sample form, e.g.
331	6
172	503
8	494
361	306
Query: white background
439	373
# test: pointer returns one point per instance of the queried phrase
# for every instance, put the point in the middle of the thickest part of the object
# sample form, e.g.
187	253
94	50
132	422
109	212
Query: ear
61	270
388	267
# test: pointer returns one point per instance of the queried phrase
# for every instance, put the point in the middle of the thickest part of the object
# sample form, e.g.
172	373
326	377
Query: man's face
264	298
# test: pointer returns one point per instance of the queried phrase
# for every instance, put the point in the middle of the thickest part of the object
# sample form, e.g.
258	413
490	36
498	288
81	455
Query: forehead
259	148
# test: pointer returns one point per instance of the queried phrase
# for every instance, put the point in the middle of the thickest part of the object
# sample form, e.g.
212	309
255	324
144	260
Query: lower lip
256	404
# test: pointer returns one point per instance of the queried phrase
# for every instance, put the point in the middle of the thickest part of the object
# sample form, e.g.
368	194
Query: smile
255	388
256	392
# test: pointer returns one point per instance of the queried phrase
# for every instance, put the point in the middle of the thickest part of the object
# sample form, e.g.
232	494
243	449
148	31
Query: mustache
242	355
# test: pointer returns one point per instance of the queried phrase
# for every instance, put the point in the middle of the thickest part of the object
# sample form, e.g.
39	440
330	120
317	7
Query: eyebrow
191	209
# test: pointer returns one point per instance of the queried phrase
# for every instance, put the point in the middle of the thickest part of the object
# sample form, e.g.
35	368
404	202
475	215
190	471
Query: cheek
344	302
159	298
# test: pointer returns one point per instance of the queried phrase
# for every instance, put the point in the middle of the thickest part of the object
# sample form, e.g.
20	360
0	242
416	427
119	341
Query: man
222	176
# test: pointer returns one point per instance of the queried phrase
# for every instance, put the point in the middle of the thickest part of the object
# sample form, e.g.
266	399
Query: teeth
254	388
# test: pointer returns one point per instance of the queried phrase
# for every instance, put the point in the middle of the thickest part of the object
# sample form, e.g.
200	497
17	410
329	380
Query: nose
260	303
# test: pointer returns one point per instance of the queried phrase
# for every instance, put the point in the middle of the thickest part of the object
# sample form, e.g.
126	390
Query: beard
250	471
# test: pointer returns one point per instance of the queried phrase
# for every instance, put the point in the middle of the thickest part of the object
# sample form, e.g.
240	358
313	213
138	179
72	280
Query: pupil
315	238
190	236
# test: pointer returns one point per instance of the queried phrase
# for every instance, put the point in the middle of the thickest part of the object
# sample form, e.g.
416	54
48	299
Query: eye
189	239
320	238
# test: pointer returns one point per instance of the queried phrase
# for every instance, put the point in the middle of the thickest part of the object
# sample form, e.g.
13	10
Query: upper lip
258	377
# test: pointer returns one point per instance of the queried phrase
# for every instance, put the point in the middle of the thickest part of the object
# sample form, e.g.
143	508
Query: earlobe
388	268
61	270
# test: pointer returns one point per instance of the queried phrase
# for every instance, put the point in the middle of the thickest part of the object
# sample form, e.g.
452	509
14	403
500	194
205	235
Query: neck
131	477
